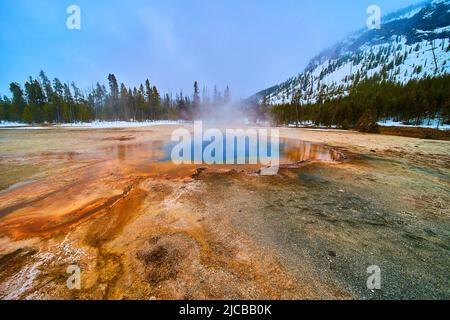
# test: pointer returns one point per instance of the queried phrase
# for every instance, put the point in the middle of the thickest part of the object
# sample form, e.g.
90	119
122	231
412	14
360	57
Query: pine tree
27	115
3	105
68	105
216	97
49	113
170	114
141	104
196	99
296	101
149	97
227	96
36	98
156	103
113	96
18	103
124	102
131	99
58	99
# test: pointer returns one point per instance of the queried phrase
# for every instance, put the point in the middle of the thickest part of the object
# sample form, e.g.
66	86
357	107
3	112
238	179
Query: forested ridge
413	43
373	100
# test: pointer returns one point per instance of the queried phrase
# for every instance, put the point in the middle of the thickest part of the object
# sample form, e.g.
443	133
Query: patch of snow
431	124
436	31
11	124
90	125
26	127
428	15
406	15
117	124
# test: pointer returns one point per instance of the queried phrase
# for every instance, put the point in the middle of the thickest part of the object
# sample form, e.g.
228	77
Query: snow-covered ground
89	125
11	124
432	124
117	124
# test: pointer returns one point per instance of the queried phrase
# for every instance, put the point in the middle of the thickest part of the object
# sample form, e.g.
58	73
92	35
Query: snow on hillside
407	15
412	44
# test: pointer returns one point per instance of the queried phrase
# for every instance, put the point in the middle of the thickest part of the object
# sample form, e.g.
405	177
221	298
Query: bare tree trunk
434	56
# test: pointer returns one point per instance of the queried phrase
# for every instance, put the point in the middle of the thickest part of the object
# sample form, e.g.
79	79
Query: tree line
370	101
43	101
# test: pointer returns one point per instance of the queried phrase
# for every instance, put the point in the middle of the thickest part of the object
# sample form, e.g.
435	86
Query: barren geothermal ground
141	228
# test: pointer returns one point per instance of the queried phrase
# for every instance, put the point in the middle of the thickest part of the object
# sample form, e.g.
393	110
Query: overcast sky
248	44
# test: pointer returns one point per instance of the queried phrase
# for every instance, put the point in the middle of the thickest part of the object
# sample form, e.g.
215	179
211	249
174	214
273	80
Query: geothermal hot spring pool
291	152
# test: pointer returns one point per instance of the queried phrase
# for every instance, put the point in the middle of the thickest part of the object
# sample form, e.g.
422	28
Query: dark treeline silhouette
41	100
370	101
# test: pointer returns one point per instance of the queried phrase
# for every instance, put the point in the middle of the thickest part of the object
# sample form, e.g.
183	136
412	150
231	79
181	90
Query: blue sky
248	44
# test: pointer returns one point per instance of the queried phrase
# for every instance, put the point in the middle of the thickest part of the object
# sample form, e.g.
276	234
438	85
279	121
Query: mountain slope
412	43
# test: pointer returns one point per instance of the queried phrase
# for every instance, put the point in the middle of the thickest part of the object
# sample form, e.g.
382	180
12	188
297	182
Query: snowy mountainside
412	43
